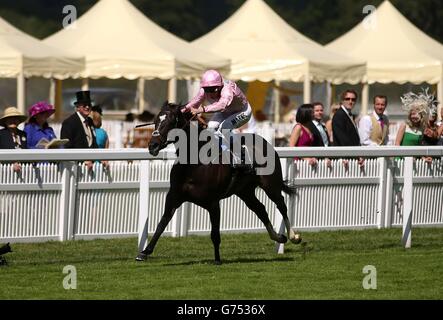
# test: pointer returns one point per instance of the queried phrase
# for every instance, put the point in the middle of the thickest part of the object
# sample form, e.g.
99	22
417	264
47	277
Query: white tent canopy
262	46
394	49
24	56
117	41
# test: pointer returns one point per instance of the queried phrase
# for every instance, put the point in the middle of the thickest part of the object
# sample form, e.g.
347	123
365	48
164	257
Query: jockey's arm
196	101
227	95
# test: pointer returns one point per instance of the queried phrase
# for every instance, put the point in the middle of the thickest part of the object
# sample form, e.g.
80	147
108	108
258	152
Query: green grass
329	266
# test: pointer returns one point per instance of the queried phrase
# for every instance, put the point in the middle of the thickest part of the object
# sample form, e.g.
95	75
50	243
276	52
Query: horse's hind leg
255	205
279	200
214	214
171	204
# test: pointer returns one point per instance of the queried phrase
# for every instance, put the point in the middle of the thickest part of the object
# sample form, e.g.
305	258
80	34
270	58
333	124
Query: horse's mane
183	117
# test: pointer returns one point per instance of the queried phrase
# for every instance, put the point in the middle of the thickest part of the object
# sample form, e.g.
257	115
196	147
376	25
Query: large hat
12	112
83	97
39	107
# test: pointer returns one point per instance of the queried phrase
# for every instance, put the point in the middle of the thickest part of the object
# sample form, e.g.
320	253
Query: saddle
242	162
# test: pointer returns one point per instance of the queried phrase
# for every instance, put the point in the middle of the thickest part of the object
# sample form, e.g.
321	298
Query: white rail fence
61	200
118	131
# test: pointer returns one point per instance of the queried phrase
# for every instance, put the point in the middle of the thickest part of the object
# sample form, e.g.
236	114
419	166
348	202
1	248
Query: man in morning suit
344	128
78	127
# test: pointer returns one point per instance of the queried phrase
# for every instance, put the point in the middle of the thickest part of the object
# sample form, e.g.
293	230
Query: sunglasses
211	89
350	99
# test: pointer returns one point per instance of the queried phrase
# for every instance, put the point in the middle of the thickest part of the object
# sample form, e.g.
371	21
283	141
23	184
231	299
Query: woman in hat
37	127
419	107
11	137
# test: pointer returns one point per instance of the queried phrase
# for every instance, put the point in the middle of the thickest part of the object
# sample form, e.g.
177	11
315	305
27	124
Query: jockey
232	109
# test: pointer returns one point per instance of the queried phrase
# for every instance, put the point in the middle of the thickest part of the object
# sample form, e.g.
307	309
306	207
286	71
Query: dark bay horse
206	184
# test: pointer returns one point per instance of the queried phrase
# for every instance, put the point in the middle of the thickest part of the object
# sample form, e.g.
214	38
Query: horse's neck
191	138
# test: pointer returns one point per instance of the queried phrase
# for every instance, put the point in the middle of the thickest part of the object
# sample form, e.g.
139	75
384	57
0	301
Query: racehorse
206	184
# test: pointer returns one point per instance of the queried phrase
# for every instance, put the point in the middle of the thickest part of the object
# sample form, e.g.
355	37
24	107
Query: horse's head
169	117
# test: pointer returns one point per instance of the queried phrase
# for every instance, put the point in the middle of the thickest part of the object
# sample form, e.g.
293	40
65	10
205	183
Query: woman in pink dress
301	136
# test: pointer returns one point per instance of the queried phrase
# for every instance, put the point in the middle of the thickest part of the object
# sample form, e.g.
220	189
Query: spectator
410	133
431	134
260	116
344	128
129	117
301	135
374	128
334	108
440	129
78	127
318	128
37	127
101	135
146	116
287	109
11	137
418	107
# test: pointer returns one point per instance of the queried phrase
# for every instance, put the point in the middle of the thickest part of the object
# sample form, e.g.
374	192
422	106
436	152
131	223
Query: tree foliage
320	20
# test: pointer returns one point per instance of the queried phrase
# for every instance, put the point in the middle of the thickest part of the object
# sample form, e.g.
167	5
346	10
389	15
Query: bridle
156	133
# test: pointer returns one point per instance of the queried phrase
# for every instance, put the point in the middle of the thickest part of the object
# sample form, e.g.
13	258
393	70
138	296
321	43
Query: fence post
278	219
381	201
143	204
389	192
117	127
176	222
407	204
184	219
67	200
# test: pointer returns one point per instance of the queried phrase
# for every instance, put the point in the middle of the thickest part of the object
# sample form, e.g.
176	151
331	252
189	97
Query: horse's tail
289	188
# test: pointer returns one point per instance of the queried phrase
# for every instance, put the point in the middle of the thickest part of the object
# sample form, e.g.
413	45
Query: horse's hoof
296	239
217	262
282	239
141	257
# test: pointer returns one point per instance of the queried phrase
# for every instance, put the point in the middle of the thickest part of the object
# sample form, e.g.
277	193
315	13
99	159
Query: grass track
329	266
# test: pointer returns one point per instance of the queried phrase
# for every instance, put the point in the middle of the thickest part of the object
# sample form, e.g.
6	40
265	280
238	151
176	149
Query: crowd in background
83	129
343	128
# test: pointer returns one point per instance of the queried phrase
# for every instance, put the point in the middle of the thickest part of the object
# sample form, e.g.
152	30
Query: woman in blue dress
101	135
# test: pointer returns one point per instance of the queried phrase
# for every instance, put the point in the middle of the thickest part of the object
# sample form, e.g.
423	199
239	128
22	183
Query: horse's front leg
171	204
214	214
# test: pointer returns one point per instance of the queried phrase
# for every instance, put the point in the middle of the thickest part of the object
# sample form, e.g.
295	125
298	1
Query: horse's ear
165	104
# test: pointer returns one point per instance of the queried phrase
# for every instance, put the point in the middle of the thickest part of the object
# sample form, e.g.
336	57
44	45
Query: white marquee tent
395	50
118	41
262	46
23	56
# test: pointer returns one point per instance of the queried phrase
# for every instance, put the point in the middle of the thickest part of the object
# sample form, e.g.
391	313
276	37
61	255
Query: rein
156	133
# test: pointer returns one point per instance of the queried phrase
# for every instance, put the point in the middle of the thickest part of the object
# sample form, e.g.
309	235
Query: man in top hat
11	137
78	127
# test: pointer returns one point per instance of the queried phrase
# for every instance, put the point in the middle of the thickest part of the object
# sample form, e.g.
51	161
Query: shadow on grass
73	260
232	261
